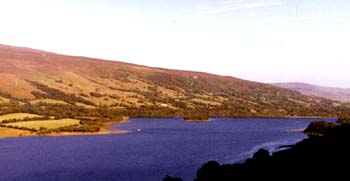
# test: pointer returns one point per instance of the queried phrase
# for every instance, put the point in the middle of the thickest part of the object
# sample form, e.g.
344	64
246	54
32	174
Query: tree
343	120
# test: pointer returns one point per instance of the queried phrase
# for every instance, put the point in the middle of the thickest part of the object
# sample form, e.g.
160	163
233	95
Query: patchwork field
31	76
49	124
18	116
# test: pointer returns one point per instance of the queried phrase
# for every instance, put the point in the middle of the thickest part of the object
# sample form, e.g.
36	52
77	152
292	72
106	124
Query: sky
260	40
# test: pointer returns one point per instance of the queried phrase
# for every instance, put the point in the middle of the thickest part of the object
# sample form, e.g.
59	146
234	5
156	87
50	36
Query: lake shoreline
105	130
107	126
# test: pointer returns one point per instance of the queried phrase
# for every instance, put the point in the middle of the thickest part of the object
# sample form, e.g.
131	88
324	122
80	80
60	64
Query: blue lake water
160	147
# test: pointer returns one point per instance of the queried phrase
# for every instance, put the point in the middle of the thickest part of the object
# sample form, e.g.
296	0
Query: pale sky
259	40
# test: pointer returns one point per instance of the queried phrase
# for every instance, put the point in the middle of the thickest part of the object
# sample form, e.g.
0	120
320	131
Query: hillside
338	94
33	78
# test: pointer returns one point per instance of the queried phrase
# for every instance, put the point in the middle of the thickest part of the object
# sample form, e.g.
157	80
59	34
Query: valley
92	91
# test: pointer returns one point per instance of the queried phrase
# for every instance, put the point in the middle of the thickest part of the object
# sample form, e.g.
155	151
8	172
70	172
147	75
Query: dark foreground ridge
325	155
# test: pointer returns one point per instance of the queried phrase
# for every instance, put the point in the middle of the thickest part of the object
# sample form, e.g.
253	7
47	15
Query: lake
152	149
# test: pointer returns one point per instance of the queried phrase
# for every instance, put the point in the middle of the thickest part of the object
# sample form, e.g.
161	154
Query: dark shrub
318	127
343	120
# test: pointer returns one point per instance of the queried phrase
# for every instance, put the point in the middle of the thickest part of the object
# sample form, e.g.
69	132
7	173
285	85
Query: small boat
138	130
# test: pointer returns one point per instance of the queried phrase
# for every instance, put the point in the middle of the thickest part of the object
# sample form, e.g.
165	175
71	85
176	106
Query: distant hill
29	76
338	94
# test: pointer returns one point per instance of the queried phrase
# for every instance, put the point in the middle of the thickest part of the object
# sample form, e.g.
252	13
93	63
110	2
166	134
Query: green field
49	124
48	101
17	116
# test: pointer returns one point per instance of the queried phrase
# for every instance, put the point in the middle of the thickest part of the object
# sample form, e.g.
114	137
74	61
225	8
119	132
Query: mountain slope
27	75
338	94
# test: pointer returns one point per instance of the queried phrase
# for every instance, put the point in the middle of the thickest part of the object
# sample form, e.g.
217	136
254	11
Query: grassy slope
9	132
48	101
85	106
118	84
49	124
4	100
17	116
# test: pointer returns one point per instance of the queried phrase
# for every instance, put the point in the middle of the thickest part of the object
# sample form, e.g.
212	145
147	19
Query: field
9	132
49	124
17	116
4	100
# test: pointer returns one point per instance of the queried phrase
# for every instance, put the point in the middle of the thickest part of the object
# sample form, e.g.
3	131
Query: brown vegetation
110	88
